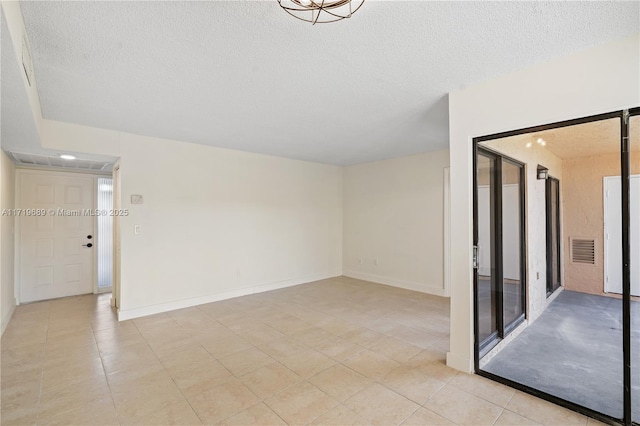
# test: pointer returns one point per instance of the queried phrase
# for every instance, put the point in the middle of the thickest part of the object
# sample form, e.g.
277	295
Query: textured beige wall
584	214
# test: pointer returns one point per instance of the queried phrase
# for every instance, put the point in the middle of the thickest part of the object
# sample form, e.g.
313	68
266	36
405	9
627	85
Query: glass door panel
105	234
553	234
512	270
486	279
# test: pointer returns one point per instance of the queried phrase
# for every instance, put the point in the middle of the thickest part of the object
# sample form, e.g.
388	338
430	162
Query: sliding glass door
486	280
581	347
512	243
499	277
552	195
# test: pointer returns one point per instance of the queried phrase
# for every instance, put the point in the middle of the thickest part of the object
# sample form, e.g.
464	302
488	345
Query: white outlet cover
136	199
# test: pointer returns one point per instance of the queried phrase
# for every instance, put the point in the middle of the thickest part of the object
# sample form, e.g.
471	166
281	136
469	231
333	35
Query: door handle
476	257
87	245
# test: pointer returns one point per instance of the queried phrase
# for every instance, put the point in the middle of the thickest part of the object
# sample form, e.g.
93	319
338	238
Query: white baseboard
7	318
462	363
394	282
186	303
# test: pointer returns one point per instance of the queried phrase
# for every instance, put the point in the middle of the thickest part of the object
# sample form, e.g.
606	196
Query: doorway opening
575	345
64	243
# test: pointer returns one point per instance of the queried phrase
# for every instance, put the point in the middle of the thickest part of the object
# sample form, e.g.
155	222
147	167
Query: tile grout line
44	355
239	378
165	369
499	415
115	410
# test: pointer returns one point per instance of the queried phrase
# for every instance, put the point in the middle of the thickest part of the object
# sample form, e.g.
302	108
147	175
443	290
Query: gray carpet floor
574	351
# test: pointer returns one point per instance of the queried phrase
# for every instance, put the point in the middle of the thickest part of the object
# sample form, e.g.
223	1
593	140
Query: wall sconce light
543	172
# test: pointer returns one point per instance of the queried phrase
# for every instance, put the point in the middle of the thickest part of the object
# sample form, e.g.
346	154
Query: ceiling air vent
54	161
583	250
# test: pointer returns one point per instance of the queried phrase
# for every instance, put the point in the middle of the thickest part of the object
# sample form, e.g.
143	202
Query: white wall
7	247
394	221
601	79
536	220
215	223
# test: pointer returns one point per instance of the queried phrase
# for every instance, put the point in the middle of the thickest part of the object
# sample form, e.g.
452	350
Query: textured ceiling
247	76
18	129
18	133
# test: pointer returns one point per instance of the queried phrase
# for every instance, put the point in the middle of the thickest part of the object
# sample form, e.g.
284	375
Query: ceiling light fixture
68	157
321	11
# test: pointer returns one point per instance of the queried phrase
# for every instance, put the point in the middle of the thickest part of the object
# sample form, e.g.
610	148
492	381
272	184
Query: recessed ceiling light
68	157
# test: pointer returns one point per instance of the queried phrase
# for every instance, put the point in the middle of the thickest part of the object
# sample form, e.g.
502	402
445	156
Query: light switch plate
136	199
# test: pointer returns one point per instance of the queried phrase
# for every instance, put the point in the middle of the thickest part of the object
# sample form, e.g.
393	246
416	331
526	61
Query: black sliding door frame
508	328
553	242
623	116
626	260
494	219
496	235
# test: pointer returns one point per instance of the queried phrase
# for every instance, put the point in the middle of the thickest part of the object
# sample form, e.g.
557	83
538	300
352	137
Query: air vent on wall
55	161
583	250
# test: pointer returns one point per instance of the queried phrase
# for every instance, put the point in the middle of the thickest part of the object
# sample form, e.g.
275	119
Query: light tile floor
338	351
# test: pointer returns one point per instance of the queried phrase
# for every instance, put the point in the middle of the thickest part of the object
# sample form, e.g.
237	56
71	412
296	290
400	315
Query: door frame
623	116
20	171
625	173
117	205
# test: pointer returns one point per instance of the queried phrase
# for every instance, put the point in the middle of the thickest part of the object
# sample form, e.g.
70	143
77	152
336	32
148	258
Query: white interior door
613	234
55	260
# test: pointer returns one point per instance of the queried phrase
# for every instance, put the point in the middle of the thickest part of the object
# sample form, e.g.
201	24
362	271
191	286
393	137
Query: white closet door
613	235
